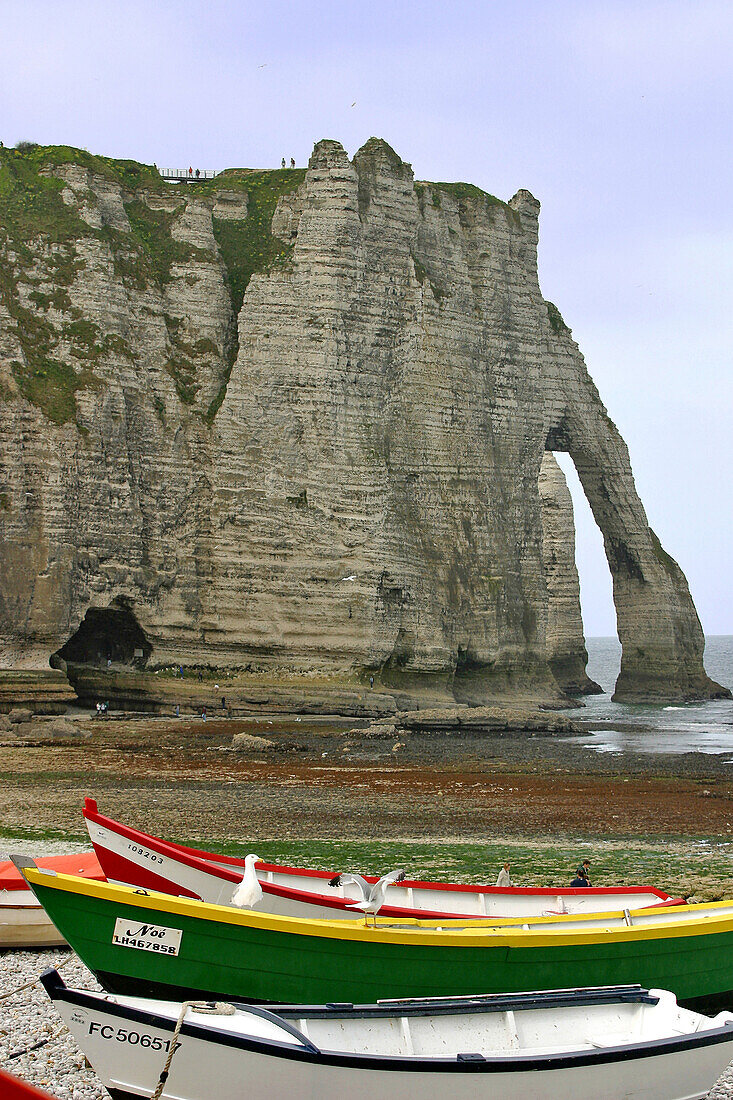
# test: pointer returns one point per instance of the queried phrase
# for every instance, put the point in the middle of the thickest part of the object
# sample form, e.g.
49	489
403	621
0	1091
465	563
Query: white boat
23	920
135	858
605	1043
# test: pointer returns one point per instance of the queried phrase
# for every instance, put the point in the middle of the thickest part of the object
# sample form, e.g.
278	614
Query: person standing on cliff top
292	162
282	163
503	878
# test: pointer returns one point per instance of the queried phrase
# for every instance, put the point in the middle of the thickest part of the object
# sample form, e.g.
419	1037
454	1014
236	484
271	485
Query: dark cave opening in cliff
106	634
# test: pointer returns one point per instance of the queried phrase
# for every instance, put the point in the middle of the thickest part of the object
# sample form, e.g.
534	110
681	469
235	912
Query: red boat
135	858
23	921
13	1089
85	864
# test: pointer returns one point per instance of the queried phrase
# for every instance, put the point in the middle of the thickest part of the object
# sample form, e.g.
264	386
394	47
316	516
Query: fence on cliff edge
187	175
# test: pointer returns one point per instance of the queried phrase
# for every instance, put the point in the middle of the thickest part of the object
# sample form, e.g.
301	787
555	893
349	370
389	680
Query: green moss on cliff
218	400
664	559
422	275
248	245
85	333
44	379
128	173
468	193
32	210
184	361
556	322
57	298
31	204
50	384
40	232
158	249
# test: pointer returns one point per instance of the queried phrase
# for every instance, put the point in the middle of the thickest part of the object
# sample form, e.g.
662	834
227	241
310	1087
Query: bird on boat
372	894
249	891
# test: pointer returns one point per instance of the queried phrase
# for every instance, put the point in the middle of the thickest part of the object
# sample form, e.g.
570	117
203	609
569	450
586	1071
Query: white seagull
249	891
372	894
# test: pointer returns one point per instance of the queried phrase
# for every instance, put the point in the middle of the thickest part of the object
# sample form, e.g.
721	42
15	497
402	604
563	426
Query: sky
616	115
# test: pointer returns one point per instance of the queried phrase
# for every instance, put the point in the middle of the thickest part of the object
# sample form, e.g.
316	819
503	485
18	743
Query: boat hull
85	864
25	923
226	953
139	859
689	1077
11	1088
128	1044
23	920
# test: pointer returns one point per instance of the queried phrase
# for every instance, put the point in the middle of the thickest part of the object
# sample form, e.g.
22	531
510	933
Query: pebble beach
27	1018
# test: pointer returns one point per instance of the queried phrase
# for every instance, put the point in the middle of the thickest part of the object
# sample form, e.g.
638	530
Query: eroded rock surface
294	422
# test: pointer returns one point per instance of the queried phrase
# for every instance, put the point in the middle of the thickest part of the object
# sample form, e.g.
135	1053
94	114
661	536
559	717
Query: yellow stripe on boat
682	921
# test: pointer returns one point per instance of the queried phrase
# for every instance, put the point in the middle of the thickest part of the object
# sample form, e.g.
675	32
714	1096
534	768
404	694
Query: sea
691	727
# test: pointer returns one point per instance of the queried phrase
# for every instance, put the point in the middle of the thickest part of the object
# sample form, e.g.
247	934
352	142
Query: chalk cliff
295	422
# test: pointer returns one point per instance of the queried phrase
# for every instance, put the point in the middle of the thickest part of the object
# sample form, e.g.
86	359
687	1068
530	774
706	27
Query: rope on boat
34	981
216	1008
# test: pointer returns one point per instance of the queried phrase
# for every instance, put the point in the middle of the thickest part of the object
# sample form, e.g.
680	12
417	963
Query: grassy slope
704	868
41	233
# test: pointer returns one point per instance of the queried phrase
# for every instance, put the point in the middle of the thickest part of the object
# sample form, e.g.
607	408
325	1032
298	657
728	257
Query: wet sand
181	777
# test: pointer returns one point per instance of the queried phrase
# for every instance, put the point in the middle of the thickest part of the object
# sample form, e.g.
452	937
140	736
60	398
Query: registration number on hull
135	1038
147	937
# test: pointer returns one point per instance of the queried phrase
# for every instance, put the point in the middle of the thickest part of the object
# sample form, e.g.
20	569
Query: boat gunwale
481	933
274	1048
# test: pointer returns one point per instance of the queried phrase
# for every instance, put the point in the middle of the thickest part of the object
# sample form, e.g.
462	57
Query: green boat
152	944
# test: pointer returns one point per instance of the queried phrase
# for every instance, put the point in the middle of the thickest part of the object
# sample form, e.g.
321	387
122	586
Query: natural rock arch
660	633
566	650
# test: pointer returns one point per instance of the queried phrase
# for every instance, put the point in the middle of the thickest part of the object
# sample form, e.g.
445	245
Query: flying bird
354	104
351	577
249	891
372	894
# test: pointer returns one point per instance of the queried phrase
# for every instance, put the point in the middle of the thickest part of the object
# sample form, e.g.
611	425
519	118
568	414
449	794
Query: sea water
691	727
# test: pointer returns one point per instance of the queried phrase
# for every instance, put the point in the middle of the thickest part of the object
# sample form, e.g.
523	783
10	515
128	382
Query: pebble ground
28	1018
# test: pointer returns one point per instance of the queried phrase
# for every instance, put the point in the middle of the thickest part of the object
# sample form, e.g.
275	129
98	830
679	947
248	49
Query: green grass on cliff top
31	208
31	204
128	173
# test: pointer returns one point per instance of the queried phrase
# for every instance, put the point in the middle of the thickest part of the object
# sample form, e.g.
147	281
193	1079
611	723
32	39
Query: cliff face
295	421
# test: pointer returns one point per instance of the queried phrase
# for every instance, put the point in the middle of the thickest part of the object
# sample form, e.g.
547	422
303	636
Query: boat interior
490	1029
